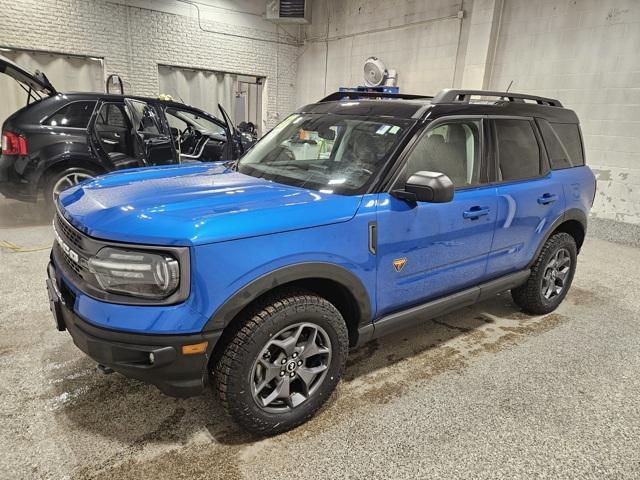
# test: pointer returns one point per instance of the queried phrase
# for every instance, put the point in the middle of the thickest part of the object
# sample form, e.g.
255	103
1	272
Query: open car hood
37	82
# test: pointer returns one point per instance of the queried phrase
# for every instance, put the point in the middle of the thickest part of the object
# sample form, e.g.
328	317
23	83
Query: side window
111	115
569	135
75	115
146	118
452	148
517	149
558	155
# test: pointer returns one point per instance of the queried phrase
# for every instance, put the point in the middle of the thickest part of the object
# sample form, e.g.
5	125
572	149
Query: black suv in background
60	139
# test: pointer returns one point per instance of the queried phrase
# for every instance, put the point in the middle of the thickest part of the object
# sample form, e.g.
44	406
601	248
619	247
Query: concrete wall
584	52
135	36
417	38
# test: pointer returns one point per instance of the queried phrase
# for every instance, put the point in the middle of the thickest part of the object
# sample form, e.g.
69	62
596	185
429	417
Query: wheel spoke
549	290
281	391
308	374
271	371
288	344
311	347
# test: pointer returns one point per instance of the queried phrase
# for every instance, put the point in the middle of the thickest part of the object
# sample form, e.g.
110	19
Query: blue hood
196	204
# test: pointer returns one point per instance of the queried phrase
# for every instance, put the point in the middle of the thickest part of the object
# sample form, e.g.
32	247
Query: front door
427	250
156	145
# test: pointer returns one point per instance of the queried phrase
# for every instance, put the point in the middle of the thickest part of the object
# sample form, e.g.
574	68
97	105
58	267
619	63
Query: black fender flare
300	271
571	214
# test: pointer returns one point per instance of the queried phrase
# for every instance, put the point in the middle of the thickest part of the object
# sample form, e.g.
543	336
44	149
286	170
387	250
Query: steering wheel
280	154
188	131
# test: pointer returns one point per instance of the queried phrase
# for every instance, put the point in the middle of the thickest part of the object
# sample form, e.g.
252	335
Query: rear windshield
563	144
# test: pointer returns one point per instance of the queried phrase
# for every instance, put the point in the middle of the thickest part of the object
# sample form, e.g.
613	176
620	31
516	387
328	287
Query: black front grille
74	266
73	236
76	248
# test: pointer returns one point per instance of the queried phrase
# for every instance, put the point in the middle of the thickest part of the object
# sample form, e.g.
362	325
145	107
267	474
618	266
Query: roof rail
464	96
336	96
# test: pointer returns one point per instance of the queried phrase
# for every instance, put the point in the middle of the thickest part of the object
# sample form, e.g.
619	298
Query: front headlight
135	272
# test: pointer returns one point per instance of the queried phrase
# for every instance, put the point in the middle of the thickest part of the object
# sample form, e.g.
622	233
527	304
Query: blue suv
354	217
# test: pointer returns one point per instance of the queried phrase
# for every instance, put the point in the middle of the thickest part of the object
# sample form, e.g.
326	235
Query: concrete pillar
481	43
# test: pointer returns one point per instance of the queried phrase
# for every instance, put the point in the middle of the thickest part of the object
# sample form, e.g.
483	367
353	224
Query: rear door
152	134
530	195
427	250
111	136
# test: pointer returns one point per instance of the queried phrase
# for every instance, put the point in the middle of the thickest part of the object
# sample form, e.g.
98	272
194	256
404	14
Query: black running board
405	318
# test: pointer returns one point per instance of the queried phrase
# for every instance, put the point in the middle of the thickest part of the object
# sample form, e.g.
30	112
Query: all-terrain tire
251	334
530	296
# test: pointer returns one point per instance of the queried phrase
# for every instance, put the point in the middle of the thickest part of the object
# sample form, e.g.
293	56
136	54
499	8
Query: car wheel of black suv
63	179
282	361
551	276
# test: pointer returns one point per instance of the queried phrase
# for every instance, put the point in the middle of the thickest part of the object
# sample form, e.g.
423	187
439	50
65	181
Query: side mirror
174	132
432	187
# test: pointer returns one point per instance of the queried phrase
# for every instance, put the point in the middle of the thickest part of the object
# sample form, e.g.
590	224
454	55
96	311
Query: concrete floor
486	392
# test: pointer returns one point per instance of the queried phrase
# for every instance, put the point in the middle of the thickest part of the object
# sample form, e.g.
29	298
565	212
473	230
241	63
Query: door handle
475	212
110	142
547	198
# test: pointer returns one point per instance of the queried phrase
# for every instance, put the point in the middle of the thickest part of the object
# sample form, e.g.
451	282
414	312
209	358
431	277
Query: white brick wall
133	41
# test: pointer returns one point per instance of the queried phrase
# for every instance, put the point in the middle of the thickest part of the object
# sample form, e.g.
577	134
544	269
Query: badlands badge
399	263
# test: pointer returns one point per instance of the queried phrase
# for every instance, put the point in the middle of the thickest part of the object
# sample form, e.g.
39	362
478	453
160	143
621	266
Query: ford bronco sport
354	217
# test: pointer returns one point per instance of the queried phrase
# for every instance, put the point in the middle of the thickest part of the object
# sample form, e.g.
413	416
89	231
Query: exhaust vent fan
289	11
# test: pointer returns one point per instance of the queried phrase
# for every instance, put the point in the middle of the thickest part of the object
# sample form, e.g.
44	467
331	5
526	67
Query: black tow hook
104	369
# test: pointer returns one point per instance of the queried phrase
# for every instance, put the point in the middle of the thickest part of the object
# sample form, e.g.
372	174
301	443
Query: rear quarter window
563	144
73	115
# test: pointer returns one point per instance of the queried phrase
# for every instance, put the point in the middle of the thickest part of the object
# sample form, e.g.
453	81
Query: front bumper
174	373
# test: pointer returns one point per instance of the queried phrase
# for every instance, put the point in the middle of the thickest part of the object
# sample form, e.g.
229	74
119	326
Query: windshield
331	153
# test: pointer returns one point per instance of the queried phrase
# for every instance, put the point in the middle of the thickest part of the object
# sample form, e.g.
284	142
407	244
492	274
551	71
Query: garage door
66	74
239	95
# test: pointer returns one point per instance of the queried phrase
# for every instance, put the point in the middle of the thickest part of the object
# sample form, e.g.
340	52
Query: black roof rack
464	96
337	96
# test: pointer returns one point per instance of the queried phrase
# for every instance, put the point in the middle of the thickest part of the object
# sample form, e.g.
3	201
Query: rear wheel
64	179
551	276
282	362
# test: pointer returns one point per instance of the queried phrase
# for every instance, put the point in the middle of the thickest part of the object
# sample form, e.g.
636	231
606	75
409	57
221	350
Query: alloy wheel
555	274
68	181
291	367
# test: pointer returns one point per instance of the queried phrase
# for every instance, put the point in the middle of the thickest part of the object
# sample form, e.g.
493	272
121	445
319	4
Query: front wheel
282	362
551	276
